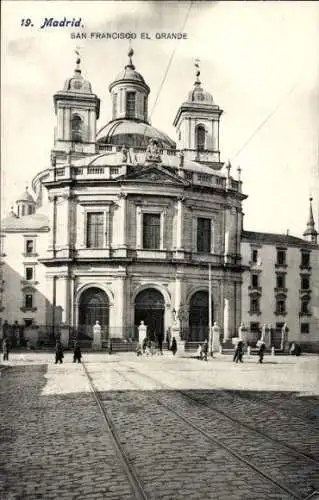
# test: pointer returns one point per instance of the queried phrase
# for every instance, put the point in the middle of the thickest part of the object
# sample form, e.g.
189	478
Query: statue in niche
124	154
153	151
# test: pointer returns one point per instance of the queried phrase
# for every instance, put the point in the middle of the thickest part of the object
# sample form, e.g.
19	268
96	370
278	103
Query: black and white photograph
159	250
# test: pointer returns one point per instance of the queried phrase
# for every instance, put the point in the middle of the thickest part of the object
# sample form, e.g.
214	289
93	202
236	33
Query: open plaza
158	427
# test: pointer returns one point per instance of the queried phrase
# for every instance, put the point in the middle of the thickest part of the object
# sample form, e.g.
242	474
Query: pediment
156	175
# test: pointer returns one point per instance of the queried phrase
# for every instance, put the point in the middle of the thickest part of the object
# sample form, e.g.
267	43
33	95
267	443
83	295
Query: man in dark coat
77	355
261	352
239	351
58	352
205	350
174	346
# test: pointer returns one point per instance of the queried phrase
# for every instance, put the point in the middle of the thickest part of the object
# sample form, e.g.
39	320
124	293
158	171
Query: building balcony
254	313
280	313
28	309
254	289
281	290
30	254
281	265
304	291
25	283
305	267
306	314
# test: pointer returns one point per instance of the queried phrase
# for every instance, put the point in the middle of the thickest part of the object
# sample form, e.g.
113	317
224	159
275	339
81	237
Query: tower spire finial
78	60
130	55
197	71
310	234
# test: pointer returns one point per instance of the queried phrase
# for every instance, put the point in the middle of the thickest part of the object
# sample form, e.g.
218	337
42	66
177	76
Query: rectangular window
254	305
29	273
281	257
130	104
151	231
114	106
304	328
305	306
203	235
28	322
95	230
28	301
254	280
254	256
305	283
305	259
280	306
145	107
29	246
281	281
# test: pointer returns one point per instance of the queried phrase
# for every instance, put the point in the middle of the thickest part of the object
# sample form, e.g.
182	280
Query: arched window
130	104
76	128
200	137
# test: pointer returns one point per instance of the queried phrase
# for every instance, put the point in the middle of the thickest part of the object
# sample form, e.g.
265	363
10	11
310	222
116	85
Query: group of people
239	352
202	351
59	355
149	346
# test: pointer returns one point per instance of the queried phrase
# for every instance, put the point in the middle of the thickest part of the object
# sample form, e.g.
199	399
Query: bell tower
197	125
77	108
310	233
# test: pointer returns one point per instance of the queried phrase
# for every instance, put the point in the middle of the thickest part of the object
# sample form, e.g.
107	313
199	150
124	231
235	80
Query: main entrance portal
93	306
149	307
198	317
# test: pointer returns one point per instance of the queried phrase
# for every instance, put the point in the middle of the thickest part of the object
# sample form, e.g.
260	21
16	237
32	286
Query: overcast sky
260	60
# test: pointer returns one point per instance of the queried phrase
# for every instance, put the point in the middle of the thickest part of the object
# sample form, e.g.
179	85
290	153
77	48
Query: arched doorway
93	306
150	307
198	317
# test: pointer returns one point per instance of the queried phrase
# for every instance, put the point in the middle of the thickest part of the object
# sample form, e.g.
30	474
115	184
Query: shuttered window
151	231
94	230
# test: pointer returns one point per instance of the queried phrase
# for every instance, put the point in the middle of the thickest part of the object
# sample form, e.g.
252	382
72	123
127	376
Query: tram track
135	484
297	453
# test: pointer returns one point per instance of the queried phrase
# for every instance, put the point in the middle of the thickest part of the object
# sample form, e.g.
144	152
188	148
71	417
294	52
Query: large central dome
133	134
130	125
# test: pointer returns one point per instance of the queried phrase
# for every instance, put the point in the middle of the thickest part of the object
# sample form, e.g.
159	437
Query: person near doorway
204	350
239	351
174	346
261	352
168	339
58	352
139	350
77	355
5	349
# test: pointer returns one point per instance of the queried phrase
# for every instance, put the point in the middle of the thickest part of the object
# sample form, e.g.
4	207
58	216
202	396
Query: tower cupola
77	108
129	94
25	203
197	124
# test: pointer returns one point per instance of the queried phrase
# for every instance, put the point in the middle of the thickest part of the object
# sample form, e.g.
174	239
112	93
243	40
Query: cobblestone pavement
171	415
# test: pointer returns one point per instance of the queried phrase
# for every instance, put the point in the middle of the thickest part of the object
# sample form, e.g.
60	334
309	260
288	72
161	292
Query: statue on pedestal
215	337
142	333
97	335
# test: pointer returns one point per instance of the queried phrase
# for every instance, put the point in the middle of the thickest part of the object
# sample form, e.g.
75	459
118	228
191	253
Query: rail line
283	487
135	484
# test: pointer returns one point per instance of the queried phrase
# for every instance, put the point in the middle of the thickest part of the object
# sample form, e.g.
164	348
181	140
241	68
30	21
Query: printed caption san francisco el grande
51	22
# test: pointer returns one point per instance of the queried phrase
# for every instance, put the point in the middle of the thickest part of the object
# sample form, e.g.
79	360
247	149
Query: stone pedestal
175	331
215	338
64	336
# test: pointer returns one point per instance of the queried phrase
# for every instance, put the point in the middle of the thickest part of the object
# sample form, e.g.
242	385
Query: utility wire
270	115
171	59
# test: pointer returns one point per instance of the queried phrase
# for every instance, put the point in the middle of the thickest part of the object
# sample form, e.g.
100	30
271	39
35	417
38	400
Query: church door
149	307
198	317
93	306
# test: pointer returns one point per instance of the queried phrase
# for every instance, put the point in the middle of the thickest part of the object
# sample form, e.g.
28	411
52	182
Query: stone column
122	228
179	224
215	135
226	320
139	232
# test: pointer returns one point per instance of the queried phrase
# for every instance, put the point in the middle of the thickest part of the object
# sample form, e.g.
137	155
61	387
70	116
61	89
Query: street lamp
210	332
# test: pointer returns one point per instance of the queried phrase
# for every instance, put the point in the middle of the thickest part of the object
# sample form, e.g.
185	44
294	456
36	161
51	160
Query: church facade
128	226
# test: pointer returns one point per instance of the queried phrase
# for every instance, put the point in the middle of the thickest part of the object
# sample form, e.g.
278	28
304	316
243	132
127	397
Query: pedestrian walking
138	350
261	352
239	351
174	346
168	339
204	350
199	352
77	355
5	349
144	345
59	352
